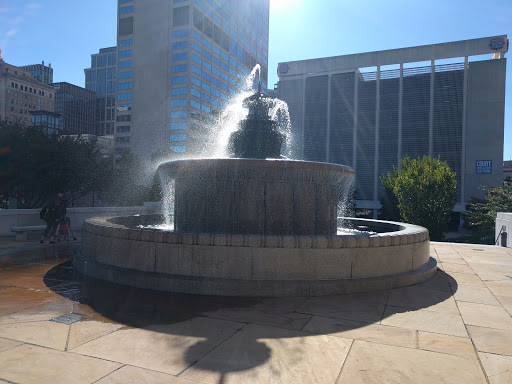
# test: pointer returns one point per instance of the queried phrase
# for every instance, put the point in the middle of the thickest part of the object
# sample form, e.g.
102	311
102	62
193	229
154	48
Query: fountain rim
256	163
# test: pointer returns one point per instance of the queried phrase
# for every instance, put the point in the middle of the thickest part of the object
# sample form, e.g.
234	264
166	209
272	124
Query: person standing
50	216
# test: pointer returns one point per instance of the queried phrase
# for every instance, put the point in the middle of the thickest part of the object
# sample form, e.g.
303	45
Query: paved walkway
56	328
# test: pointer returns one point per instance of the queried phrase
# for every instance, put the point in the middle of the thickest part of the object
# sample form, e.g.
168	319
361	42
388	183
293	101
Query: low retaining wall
503	224
256	265
23	217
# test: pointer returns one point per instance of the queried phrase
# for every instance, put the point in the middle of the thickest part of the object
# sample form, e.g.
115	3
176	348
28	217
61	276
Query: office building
180	61
20	94
76	105
40	72
368	110
47	121
101	79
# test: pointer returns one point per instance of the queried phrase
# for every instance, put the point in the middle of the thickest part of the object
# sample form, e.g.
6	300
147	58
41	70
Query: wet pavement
59	327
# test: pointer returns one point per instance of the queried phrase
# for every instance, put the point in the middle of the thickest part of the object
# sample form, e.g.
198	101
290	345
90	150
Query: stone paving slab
454	328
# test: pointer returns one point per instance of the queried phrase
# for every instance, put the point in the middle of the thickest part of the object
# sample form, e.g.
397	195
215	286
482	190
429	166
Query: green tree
34	166
424	191
481	213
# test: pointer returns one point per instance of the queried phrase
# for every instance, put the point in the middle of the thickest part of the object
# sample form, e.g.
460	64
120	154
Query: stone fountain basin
115	249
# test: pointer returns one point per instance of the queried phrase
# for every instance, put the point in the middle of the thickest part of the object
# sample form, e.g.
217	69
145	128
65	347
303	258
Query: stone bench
22	232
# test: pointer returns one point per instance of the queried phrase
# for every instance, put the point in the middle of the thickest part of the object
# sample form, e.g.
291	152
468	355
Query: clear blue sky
65	32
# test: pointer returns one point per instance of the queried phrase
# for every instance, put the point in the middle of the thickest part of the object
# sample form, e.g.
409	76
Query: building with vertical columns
40	72
179	61
368	110
102	78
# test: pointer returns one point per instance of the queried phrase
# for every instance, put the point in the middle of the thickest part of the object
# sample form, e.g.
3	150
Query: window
195	104
178	125
195	92
207	44
207	54
180	44
124	107
206	87
207	76
124	96
124	85
216	50
127	9
179	103
122	139
124	75
179	91
179	68
180	16
196	70
180	56
196	46
196	81
196	58
124	118
205	97
215	102
126	53
124	1
178	148
216	60
207	65
123	129
197	36
125	64
205	108
126	26
216	71
215	92
178	137
225	66
178	114
179	79
180	33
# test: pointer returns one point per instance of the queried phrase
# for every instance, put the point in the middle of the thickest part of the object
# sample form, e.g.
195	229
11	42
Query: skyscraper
40	72
76	105
101	78
180	60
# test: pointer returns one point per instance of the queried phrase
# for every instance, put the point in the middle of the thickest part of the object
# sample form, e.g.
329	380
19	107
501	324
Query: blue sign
497	44
484	166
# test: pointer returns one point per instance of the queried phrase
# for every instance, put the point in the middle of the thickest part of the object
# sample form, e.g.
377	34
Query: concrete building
368	110
40	72
20	94
180	61
101	78
76	105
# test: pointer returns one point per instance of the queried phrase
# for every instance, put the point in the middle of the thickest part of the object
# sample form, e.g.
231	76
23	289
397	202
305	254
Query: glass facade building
76	106
200	53
101	78
369	110
40	72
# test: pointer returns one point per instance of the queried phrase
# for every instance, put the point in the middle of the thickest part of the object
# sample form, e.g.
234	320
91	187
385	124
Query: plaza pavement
56	328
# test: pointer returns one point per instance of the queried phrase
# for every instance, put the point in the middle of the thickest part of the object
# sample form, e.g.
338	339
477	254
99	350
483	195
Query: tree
35	166
481	214
424	191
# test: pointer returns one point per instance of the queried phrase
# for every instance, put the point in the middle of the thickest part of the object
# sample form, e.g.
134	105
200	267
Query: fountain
255	224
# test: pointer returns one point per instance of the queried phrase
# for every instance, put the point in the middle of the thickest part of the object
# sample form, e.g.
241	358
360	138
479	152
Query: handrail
503	228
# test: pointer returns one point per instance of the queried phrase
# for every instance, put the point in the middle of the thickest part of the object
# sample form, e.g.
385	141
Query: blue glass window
232	71
232	90
124	1
207	54
196	58
124	107
207	65
195	104
225	56
179	79
178	125
196	70
224	96
126	53
215	92
124	96
196	46
225	66
224	86
178	137
180	44
180	56
240	52
215	102
232	47
216	71
124	85
178	148
232	62
216	60
179	68
206	87
195	93
216	50
207	44
127	9
179	91
205	108
124	75
205	97
179	103
178	114
197	36
207	76
196	81
180	33
124	64
232	81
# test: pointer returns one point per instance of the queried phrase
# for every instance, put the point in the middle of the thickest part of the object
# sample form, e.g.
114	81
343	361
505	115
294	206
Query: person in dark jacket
50	215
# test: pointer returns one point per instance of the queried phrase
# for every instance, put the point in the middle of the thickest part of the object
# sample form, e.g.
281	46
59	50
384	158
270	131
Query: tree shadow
251	319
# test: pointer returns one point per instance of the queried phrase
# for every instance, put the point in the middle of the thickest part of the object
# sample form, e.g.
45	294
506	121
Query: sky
66	32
